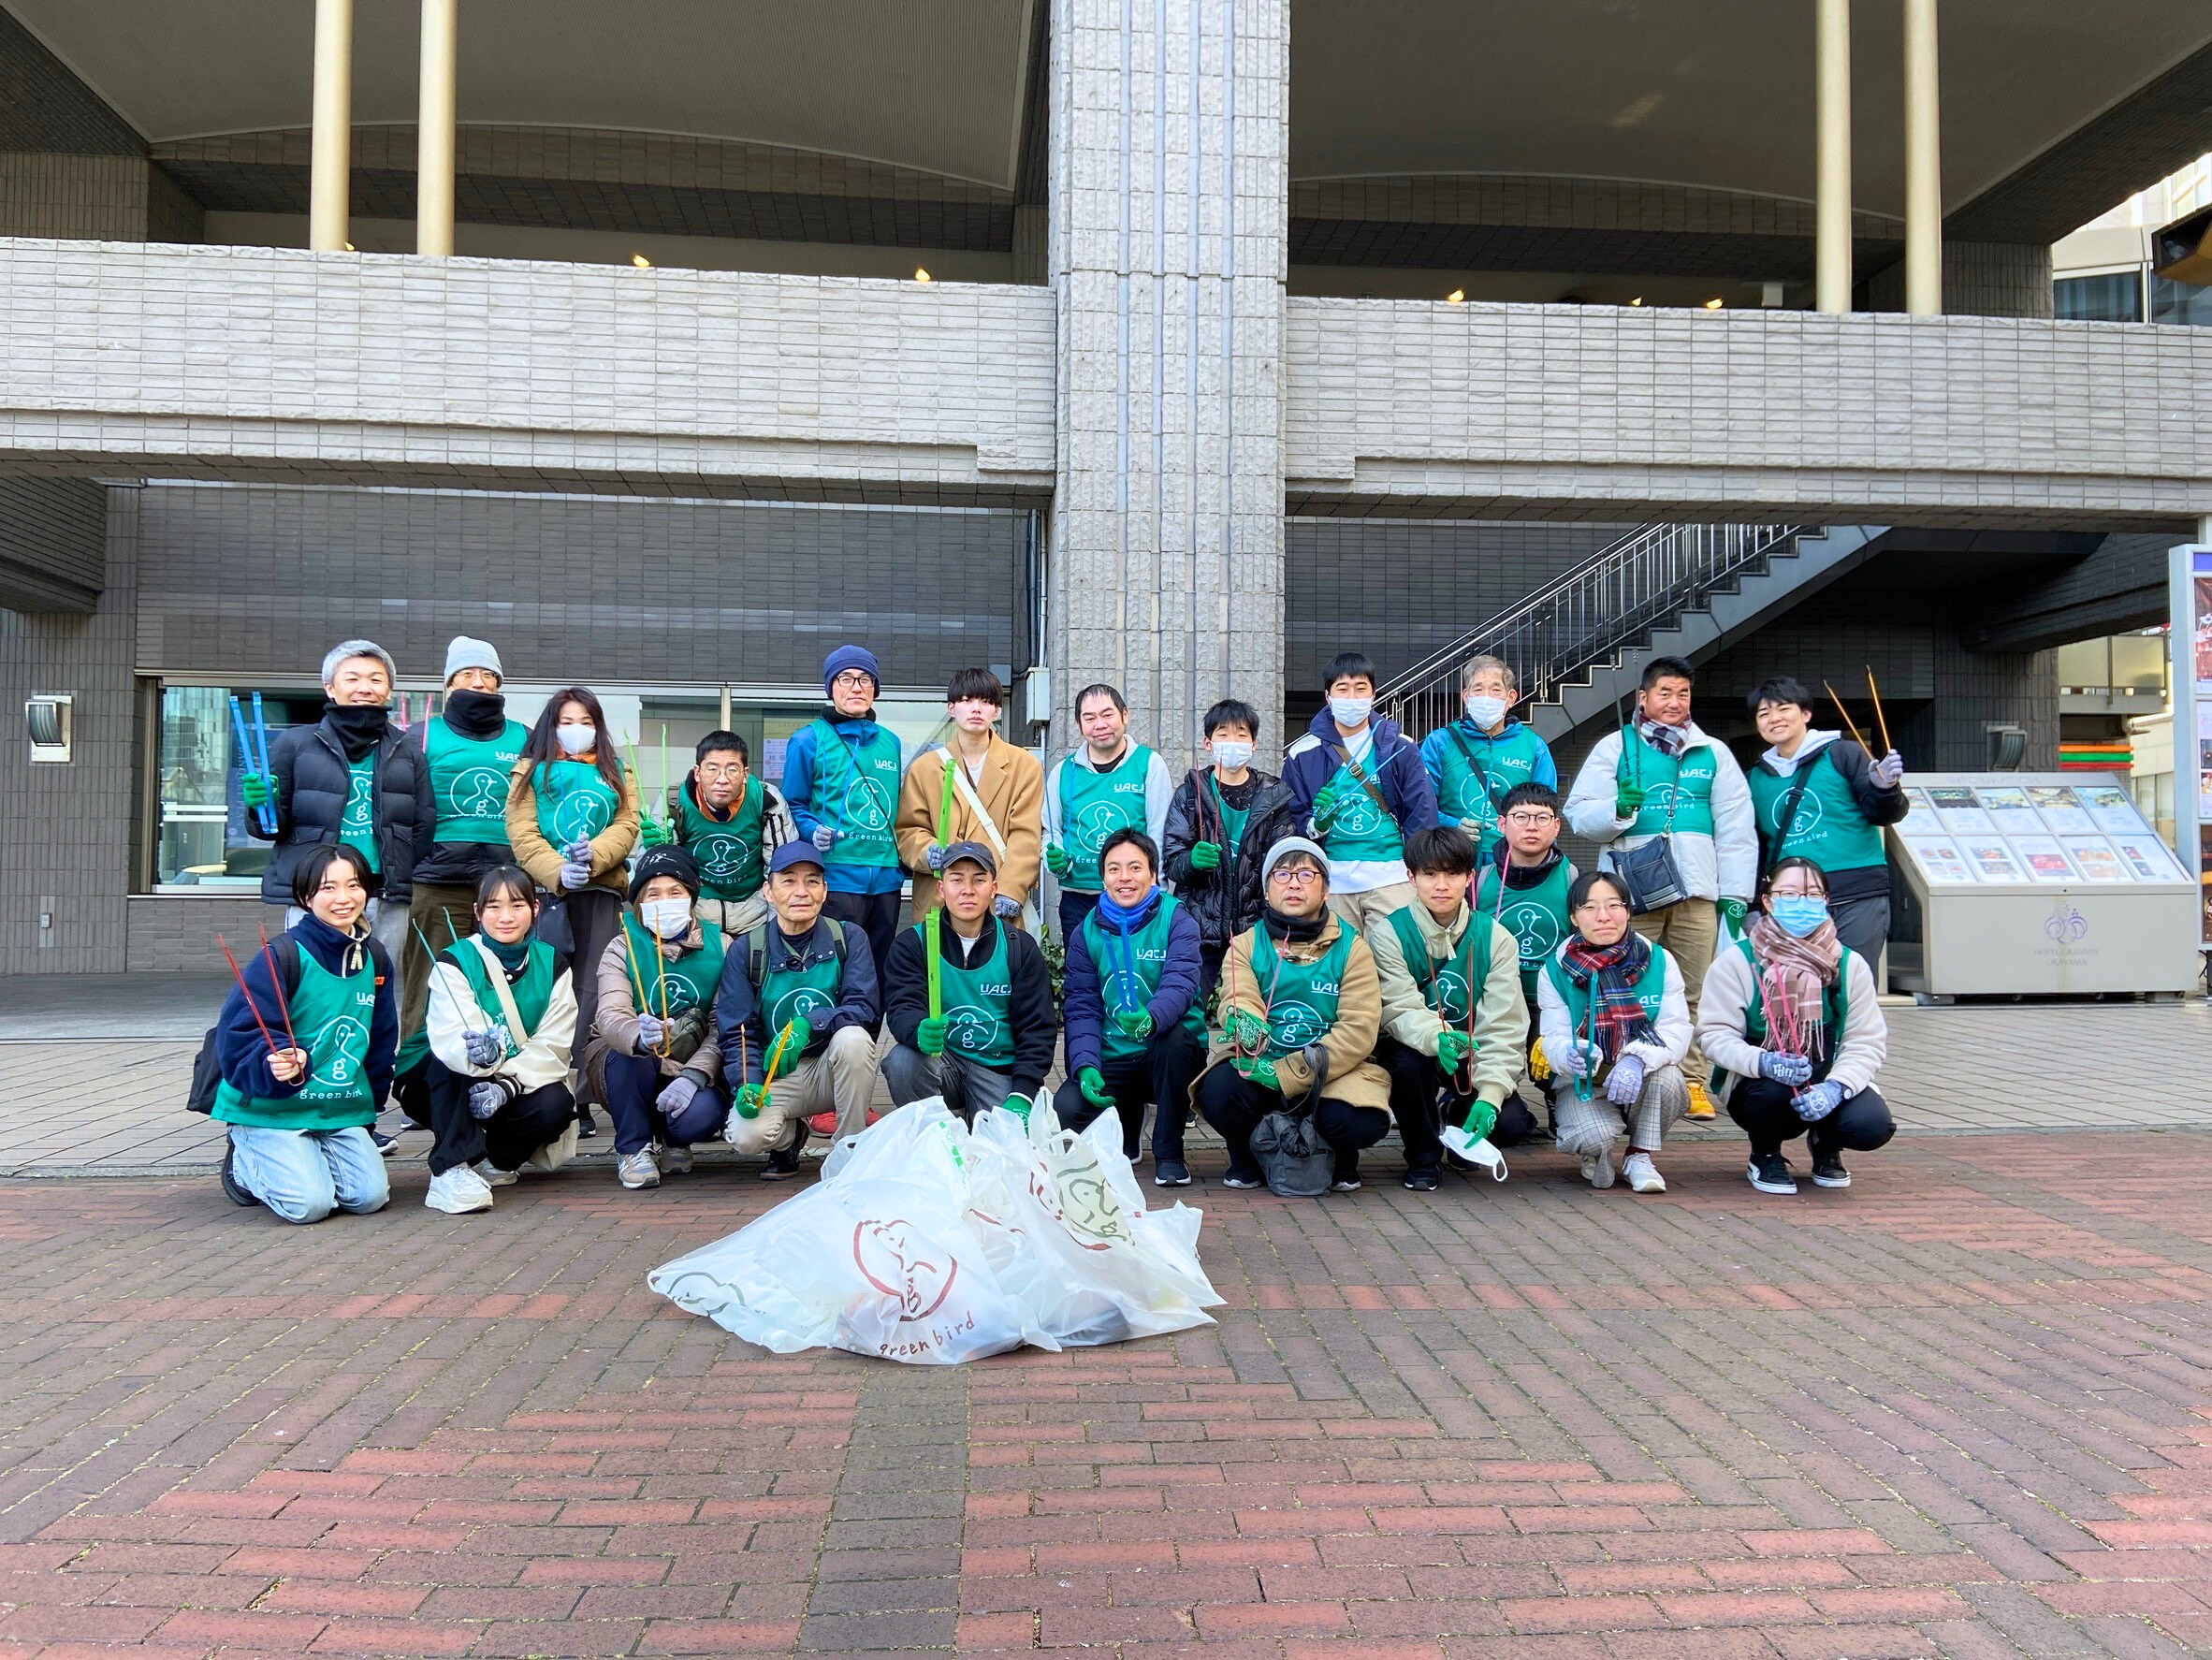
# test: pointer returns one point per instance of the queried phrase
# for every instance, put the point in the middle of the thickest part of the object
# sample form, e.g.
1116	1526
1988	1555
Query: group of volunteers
485	924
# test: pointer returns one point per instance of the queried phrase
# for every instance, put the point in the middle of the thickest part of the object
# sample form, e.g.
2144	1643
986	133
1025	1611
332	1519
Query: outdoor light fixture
1713	304
48	714
920	275
640	261
1637	300
1456	296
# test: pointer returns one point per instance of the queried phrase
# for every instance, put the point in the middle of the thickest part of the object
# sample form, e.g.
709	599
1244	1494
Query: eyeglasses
854	679
1530	819
1302	876
715	770
1605	908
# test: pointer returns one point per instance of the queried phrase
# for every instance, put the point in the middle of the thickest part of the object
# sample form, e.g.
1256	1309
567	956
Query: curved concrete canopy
1713	93
932	84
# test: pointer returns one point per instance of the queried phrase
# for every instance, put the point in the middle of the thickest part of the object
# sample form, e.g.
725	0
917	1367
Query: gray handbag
1293	1159
1649	872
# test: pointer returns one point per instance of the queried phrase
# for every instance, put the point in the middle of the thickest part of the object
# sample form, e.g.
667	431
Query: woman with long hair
571	820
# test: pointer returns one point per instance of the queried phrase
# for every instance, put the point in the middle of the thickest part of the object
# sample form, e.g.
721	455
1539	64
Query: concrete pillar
1169	241
1924	173
331	156
1832	150
434	153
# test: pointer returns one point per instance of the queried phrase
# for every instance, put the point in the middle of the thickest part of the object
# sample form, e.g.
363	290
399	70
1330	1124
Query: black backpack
207	1072
756	948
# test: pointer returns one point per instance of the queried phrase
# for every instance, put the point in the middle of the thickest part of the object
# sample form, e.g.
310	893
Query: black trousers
1417	1086
594	918
875	915
1160	1073
1210	958
1763	1108
1073	909
507	1138
1234	1105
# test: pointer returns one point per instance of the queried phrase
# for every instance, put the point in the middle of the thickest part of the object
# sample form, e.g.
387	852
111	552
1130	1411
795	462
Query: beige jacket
1353	1078
610	848
614	1023
1501	1015
1013	793
1722	1009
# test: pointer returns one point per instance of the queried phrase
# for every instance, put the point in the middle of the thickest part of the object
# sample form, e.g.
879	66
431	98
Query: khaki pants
841	1079
733	917
443	913
1690	929
1356	910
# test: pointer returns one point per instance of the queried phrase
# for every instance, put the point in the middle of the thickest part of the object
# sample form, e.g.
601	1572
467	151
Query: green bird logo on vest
338	1042
867	808
807	999
970	1028
1451	988
719	856
577	818
1660	798
1093	824
1296	1024
1803	822
1356	814
680	997
1536	929
477	793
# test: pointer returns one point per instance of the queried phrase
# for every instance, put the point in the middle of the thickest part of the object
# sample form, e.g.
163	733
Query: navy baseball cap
801	852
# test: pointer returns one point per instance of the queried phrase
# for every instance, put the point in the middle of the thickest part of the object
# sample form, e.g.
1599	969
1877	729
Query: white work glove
823	837
676	1095
1889	771
652	1031
575	873
1626	1082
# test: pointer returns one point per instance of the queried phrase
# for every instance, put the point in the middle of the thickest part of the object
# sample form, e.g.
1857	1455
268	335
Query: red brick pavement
1964	1409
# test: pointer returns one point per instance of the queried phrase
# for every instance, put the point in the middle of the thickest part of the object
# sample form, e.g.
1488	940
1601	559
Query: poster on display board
2191	633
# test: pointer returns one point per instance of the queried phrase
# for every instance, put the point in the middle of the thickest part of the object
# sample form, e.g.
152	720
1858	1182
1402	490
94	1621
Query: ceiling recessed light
640	261
1713	304
1637	300
1455	296
920	275
351	249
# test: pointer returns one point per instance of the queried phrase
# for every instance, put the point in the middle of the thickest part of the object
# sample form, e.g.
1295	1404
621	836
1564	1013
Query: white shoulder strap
498	976
974	802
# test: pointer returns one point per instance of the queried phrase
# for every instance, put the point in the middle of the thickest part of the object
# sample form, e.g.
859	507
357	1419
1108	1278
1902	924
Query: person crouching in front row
980	1031
655	1023
300	1115
501	1018
1616	1027
1300	1008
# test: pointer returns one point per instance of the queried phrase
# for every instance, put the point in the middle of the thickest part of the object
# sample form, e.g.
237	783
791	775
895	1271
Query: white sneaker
675	1161
1643	1176
638	1170
458	1192
491	1176
1597	1169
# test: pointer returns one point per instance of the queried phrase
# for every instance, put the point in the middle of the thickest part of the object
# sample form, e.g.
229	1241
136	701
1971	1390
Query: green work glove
750	1100
1093	1082
1260	1070
1206	855
1324	806
795	1037
1056	859
257	789
1019	1106
1628	800
929	1037
1481	1119
1452	1048
1134	1022
651	832
1246	1029
1735	910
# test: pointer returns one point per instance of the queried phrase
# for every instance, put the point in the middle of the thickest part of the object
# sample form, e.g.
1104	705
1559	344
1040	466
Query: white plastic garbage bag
931	1244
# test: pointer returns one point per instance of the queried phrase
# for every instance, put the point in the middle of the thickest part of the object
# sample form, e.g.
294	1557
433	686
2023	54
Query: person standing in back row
1359	786
1109	784
1662	779
840	779
1222	821
974	787
732	822
1475	762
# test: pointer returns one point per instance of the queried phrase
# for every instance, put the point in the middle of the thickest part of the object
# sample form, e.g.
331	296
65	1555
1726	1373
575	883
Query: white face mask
1349	712
1486	712
1230	755
576	740
669	918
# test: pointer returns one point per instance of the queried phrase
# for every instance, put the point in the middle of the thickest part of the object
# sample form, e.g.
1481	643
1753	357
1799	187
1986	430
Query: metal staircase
1685	590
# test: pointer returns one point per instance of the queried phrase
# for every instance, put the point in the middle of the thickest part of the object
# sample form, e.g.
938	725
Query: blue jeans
305	1174
632	1086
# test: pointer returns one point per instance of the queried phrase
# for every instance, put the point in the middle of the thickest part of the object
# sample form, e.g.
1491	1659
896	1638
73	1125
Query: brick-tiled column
1169	225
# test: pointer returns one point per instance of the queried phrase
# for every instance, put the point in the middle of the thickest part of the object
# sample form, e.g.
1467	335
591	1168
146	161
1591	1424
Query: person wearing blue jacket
305	1045
1358	788
841	776
1134	1029
1474	763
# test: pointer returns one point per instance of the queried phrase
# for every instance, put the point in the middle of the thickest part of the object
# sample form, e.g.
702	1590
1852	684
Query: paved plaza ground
1963	1409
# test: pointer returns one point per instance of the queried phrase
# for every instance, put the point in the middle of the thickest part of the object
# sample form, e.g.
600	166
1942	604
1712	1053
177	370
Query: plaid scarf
1792	974
1667	740
1610	973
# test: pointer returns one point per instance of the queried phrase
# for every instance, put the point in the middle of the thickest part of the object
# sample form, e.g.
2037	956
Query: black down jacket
1222	915
312	783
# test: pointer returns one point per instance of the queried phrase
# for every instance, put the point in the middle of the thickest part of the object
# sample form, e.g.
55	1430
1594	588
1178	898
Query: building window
2180	302
202	843
2116	297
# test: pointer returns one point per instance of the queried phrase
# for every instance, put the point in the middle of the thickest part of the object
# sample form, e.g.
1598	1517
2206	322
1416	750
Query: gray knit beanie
461	652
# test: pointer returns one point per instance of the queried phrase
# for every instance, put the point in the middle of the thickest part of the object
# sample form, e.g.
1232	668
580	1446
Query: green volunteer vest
1835	1000
1827	825
331	1015
978	1003
357	825
470	778
1535	917
1650	990
857	800
1304	999
788	993
1093	806
1128	980
673	984
530	992
1683	783
575	803
1477	776
1361	830
1447	985
728	850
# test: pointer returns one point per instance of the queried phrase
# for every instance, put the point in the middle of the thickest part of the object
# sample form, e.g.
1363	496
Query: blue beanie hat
850	657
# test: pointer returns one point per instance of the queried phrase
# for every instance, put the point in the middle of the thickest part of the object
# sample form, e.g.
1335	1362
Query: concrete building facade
1168	342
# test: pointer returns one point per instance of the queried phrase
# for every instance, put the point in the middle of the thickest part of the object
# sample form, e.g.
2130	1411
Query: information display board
2042	883
2190	607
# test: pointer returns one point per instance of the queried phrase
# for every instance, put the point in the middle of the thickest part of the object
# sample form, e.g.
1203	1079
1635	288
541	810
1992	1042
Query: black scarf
1293	930
358	730
1528	876
476	714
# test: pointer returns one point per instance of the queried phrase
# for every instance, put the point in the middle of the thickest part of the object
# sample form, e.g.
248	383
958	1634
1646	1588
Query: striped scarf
1610	972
